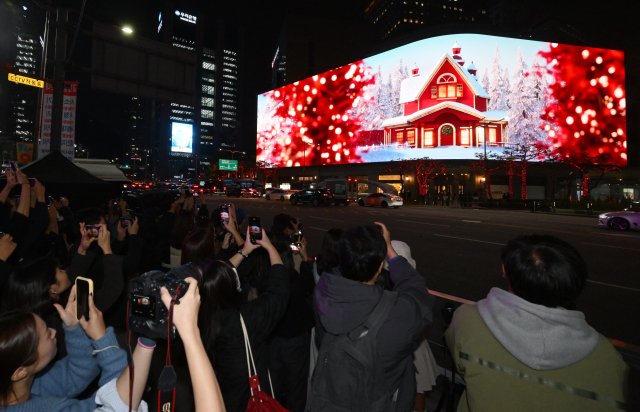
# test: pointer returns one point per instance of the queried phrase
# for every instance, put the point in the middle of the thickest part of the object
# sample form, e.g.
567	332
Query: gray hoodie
540	337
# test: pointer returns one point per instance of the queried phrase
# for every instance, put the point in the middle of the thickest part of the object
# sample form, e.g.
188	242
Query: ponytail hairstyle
18	347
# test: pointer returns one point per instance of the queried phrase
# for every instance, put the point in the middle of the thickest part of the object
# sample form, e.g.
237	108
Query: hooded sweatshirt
540	337
343	304
505	347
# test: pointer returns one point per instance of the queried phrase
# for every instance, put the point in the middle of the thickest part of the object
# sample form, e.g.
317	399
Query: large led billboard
181	137
447	98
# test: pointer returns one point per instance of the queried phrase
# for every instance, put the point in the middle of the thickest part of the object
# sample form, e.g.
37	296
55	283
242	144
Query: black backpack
349	375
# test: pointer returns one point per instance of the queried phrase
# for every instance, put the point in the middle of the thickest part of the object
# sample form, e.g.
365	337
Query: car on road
243	192
314	196
623	220
279	194
381	199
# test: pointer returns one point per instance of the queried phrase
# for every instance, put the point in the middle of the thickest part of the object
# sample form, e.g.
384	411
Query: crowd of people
339	330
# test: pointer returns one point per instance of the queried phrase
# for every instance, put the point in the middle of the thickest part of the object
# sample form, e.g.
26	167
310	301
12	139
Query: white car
278	194
623	220
381	199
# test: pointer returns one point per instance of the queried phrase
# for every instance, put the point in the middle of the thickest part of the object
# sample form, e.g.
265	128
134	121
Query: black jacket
342	305
111	288
261	317
298	319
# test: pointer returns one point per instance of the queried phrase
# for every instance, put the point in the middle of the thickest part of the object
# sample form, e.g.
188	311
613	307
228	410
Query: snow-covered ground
390	153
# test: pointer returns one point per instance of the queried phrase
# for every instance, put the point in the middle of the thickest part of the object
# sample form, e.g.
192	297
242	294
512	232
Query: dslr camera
147	313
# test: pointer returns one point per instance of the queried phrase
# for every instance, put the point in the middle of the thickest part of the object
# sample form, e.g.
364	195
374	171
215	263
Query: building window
446	78
207	114
459	88
208	65
492	134
451	90
399	138
434	92
464	137
428	138
207	89
411	138
207	101
442	91
480	134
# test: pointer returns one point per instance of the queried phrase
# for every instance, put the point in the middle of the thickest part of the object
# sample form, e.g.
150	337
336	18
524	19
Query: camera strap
168	380
130	359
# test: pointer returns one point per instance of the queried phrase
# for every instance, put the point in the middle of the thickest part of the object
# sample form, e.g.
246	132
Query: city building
21	47
447	107
309	45
214	118
394	18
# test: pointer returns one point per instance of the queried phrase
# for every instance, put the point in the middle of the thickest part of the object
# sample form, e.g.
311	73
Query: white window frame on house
465	131
440	133
479	136
424	138
451	79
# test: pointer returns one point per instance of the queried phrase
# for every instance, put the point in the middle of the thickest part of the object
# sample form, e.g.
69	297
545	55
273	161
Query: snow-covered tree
485	80
400	74
524	113
507	88
497	91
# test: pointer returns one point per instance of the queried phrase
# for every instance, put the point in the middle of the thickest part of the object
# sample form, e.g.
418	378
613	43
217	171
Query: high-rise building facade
20	46
213	119
393	18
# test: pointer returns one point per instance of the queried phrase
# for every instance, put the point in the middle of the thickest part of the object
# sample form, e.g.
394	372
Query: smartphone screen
14	169
32	182
124	221
224	213
83	290
255	229
294	247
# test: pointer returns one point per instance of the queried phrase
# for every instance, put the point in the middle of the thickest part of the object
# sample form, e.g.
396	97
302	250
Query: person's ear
53	291
19	374
504	273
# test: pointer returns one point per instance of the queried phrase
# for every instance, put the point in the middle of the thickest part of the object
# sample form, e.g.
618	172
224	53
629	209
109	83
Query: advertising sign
29	81
181	137
25	152
448	97
68	120
226	164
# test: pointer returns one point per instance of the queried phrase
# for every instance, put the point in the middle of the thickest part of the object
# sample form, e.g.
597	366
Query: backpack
349	375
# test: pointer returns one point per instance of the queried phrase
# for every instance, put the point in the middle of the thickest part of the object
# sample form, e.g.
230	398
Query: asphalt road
458	251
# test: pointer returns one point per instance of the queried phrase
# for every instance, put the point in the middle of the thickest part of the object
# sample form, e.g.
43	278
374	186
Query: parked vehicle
381	199
314	196
627	219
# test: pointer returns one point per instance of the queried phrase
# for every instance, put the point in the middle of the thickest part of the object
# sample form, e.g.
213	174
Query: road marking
340	211
473	221
422	223
317	228
297	208
615	247
324	218
272	207
259	206
471	240
613	286
325	210
284	208
613	234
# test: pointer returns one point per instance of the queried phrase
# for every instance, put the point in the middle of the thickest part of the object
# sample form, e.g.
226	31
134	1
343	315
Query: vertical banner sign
68	120
25	152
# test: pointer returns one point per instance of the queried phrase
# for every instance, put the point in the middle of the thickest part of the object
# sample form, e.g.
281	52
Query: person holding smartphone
27	347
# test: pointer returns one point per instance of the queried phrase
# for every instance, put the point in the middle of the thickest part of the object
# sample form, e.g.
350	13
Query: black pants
289	368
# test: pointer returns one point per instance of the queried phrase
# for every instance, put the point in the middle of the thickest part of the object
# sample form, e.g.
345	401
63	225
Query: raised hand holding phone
68	314
87	239
84	289
94	327
7	246
104	239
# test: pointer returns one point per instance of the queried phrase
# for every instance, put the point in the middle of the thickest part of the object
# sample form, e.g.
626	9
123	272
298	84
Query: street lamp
127	30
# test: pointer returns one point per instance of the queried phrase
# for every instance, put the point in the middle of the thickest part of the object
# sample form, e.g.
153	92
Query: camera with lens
147	312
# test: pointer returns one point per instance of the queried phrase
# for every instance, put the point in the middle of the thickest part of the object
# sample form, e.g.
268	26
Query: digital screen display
181	137
144	306
447	98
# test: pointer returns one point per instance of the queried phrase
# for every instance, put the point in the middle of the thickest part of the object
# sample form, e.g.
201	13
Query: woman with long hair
327	259
198	247
219	321
27	347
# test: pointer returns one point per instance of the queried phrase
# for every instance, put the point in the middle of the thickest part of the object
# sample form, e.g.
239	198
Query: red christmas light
315	121
590	106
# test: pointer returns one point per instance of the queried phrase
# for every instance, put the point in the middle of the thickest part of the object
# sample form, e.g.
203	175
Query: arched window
446	78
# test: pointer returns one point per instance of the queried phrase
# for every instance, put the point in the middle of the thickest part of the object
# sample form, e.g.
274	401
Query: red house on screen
448	107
